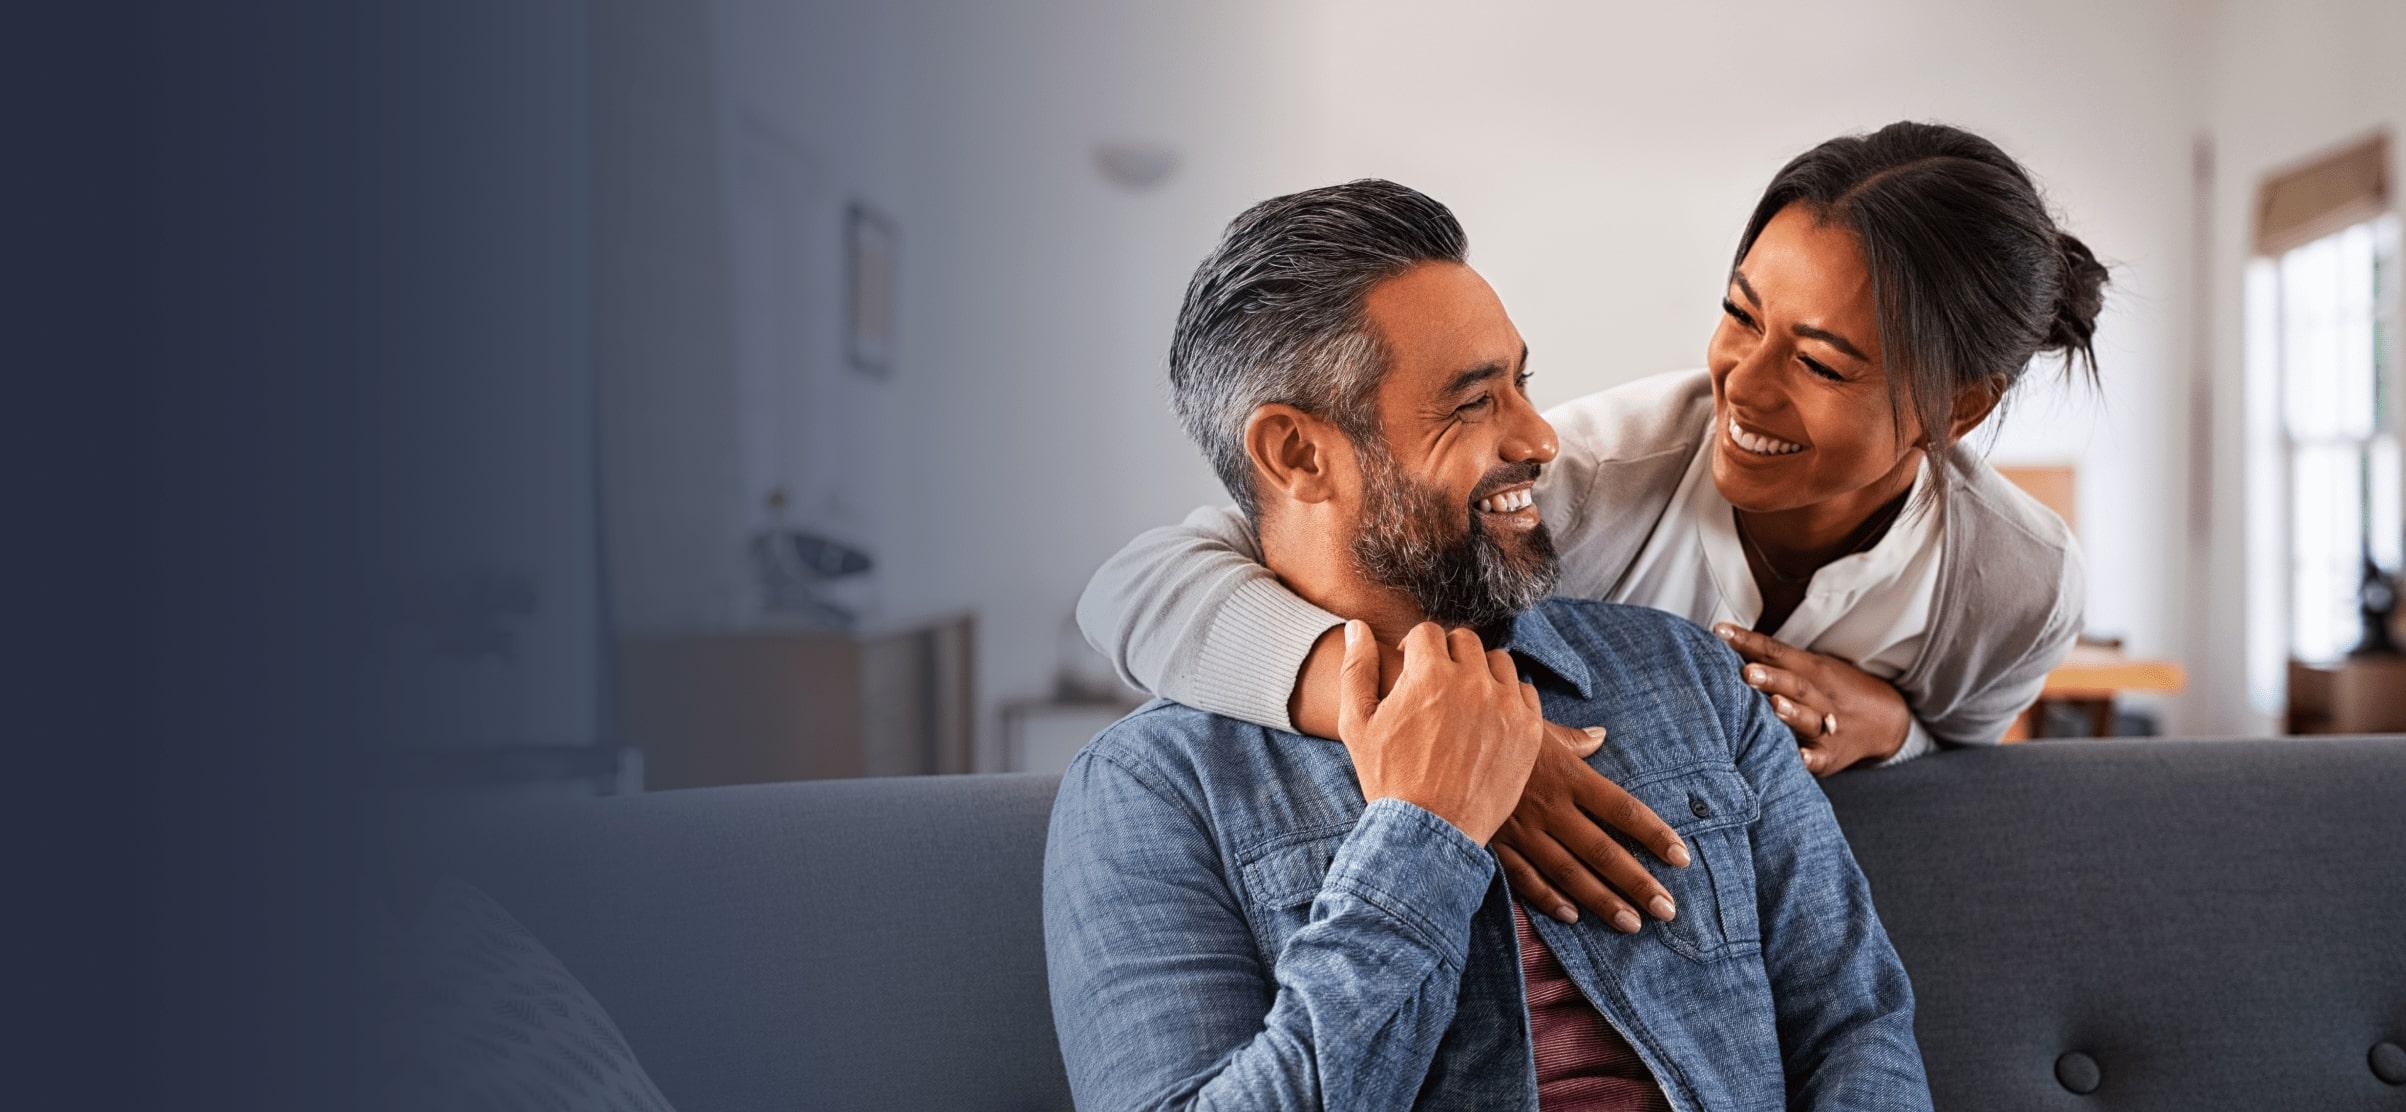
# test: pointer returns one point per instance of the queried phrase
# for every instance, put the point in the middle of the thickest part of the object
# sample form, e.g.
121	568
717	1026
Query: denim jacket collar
1534	640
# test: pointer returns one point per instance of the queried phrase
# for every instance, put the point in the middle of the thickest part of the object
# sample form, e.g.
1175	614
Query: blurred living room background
428	405
825	342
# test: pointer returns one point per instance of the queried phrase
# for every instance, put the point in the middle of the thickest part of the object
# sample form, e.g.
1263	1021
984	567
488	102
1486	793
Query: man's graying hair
1273	315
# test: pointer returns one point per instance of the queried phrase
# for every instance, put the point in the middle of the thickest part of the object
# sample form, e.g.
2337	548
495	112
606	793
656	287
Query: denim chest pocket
1282	877
1713	810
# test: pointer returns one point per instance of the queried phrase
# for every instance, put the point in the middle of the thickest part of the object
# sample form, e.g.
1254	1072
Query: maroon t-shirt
1583	1065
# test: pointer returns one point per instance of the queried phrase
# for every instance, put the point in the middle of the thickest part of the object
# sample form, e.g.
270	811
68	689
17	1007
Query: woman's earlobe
1975	403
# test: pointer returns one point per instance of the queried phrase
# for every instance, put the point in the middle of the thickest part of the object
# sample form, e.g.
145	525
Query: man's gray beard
1421	542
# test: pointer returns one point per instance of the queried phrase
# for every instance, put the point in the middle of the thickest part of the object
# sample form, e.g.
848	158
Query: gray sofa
2114	925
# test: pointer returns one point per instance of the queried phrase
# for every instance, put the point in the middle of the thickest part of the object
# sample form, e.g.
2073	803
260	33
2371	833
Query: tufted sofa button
2078	1072
2389	1062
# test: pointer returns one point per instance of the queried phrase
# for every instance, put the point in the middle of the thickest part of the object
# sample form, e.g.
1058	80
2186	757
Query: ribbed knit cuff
1255	650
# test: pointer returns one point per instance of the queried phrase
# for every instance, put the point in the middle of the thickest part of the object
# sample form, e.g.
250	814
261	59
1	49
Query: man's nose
1531	437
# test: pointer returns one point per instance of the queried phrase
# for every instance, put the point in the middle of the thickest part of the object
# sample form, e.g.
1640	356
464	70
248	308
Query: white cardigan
1188	611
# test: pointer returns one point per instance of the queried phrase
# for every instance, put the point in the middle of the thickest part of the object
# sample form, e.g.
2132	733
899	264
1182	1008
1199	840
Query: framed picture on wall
871	251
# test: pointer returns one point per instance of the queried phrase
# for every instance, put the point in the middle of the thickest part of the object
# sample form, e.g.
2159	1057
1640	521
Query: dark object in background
793	564
2377	601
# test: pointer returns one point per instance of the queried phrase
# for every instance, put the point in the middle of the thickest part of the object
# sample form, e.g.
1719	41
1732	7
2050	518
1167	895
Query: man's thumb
1358	686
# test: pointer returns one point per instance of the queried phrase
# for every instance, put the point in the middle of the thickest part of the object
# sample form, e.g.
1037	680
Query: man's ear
1294	453
1973	404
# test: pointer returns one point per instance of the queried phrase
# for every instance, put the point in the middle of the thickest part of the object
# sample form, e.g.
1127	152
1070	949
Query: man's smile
1513	508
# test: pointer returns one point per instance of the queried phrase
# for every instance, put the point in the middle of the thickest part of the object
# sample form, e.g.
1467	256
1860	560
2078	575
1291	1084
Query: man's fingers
1531	886
1499	665
1582	742
1608	803
1424	645
1463	645
1358	693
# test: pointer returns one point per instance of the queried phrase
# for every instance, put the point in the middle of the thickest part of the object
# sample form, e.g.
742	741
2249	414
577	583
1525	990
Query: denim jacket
1228	926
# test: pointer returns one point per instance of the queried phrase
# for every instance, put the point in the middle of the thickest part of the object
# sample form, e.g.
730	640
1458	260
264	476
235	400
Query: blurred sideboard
759	706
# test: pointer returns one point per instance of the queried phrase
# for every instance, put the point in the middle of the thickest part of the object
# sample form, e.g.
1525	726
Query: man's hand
1457	735
1841	715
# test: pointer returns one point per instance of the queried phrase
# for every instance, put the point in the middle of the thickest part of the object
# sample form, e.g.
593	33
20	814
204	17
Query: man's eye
1520	382
1476	405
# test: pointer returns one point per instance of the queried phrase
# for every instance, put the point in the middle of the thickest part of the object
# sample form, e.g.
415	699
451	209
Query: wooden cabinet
2362	695
772	705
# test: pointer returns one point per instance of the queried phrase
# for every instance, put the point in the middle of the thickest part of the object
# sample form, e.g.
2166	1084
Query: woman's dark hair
1971	277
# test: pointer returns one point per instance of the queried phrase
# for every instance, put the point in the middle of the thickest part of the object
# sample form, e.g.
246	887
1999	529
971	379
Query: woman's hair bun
2083	296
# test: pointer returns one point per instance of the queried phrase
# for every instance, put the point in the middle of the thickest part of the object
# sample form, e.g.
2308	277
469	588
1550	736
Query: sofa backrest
2166	924
2179	924
834	944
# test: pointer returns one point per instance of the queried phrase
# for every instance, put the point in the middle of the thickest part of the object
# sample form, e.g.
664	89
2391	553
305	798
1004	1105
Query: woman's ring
1829	724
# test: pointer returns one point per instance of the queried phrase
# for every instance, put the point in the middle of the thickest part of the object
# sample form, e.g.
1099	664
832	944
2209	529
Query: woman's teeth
1760	445
1507	502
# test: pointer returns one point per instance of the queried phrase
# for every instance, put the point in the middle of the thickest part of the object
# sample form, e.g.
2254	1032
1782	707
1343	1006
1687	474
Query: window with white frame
2322	319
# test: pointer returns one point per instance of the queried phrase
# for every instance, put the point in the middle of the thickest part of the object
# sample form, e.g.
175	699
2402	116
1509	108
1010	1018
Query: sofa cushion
479	1015
837	944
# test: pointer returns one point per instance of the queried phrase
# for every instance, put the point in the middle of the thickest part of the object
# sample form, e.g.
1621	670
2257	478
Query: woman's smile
1755	442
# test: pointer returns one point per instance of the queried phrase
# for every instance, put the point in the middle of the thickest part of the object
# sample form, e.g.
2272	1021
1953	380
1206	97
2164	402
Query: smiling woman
1805	494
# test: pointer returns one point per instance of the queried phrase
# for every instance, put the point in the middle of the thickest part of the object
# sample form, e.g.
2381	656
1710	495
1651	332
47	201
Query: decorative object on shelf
796	568
871	254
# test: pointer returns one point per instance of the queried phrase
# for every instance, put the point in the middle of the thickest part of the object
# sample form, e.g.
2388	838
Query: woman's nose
1754	382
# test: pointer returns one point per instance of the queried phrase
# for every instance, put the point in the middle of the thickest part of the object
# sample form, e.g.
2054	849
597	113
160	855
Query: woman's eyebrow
1805	330
1746	287
1831	338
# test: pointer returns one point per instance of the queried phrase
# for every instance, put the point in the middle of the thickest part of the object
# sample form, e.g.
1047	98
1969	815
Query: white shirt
1872	608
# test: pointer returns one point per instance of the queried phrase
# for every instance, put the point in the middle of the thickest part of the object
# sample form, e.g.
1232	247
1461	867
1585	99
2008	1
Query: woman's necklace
1866	535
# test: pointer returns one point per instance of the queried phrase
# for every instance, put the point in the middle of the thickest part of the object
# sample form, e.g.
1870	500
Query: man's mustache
1509	475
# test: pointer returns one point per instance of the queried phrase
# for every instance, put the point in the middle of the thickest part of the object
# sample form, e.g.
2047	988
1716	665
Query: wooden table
2090	678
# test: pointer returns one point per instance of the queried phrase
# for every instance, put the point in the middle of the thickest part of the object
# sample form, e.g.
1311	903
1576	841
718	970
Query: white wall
1603	158
1024	432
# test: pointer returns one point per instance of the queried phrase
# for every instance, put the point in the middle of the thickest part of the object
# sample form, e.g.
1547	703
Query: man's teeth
1507	502
1760	445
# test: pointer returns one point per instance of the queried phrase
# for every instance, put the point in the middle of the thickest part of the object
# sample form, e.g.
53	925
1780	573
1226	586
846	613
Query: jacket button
2389	1062
2078	1072
1699	808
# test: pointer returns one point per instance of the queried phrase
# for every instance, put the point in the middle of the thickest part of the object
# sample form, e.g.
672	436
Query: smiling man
1242	917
